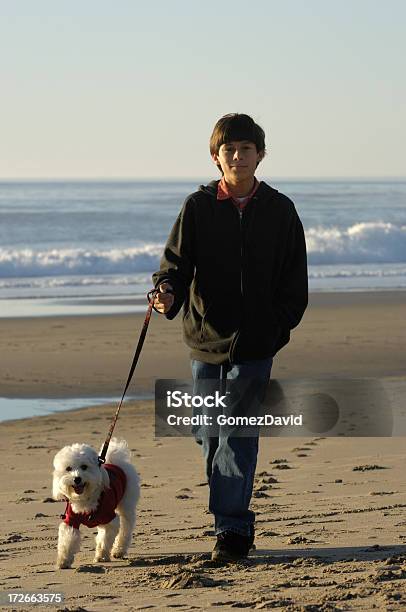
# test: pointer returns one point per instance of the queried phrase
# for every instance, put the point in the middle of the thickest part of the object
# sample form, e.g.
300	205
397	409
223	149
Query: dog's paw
102	558
63	564
117	553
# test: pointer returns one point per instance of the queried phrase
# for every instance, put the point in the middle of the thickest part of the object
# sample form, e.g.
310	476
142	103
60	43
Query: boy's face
238	160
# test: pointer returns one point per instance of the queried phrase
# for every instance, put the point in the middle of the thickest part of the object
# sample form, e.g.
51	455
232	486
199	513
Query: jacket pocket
203	332
192	326
219	321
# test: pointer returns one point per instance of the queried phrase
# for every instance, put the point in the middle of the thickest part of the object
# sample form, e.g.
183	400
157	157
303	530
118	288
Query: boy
236	260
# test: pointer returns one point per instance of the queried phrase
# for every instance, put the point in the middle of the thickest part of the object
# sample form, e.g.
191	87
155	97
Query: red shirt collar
223	193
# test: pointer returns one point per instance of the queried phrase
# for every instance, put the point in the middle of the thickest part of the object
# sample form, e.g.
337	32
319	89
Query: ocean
89	247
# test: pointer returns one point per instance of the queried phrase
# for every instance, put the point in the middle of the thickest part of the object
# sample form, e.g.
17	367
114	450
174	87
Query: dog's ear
105	477
56	493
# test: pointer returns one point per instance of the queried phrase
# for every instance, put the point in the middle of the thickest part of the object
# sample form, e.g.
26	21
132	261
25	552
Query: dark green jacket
241	277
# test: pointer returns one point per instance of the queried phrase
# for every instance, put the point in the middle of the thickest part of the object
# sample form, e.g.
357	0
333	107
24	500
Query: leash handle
150	297
153	293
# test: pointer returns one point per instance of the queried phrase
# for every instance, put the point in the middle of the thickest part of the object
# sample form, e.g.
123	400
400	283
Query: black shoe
251	538
231	547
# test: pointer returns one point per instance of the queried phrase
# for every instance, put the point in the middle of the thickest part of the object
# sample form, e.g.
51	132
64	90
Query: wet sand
341	334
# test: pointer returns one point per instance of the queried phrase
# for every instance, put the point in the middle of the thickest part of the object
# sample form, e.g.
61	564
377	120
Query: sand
329	537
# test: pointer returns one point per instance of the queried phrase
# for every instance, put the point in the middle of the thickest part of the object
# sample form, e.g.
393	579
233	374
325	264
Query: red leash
150	297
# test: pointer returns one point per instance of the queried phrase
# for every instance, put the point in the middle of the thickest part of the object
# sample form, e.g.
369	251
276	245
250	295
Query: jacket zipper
241	284
240	214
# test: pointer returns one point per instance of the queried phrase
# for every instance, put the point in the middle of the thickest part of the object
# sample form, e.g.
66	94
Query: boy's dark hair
236	126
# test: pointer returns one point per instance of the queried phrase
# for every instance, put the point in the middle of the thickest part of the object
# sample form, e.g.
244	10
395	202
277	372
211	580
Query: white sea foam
49	282
361	243
60	262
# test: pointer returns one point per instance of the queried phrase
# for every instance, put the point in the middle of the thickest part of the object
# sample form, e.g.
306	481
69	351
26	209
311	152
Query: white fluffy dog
97	495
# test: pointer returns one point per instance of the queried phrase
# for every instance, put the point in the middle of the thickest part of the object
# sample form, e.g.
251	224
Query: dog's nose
77	480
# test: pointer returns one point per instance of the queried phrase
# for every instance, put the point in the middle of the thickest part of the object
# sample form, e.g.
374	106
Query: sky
102	89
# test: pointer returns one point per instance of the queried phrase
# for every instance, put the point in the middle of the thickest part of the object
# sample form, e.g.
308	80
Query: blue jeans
230	460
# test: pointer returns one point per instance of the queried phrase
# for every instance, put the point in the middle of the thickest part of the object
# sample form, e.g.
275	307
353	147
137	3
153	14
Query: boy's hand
163	301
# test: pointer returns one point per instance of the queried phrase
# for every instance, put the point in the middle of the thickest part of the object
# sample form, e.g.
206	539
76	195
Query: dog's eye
69	469
83	467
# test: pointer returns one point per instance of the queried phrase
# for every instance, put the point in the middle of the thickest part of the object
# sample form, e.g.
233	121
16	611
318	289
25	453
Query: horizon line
201	178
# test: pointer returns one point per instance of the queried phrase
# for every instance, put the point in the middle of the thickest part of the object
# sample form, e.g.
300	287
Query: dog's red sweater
108	502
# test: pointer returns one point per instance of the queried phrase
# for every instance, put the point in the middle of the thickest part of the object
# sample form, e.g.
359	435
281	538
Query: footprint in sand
31	446
367	468
267	480
15	537
93	569
280	464
156	561
261	487
268	477
190	580
300	540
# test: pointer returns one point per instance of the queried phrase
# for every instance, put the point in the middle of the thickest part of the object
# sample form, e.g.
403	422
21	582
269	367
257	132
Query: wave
62	282
361	243
75	286
355	271
62	262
